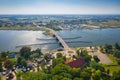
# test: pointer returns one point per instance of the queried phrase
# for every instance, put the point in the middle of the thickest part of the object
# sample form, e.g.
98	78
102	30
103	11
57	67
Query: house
34	55
12	55
39	60
30	64
80	62
49	56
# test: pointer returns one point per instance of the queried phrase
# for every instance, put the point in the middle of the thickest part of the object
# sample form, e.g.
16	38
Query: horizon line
60	14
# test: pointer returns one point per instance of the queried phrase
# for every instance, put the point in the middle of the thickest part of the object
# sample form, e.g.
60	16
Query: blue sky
59	6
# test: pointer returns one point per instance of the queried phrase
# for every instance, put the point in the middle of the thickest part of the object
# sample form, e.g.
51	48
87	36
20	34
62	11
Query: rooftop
80	62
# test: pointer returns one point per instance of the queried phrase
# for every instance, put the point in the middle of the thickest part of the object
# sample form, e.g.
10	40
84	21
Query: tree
1	69
66	79
78	78
118	62
108	48
19	75
38	51
108	71
116	53
97	66
3	55
58	69
57	77
86	56
25	52
46	58
85	75
97	75
47	77
76	72
59	55
62	70
8	64
117	46
116	75
66	75
101	49
57	61
78	52
21	61
96	58
64	58
31	76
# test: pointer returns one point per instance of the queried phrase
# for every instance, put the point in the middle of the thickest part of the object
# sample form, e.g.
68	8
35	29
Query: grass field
115	66
114	60
112	68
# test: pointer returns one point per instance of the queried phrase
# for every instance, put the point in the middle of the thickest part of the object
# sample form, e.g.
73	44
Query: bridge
60	39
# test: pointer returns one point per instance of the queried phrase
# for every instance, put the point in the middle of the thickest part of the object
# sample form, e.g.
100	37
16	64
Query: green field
112	68
114	60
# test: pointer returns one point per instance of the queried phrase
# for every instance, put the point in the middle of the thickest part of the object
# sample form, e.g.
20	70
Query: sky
59	6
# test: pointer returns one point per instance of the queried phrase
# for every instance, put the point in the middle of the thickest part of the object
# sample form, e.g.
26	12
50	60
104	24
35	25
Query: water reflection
9	39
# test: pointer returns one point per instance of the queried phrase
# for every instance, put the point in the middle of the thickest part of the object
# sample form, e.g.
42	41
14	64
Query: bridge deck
64	44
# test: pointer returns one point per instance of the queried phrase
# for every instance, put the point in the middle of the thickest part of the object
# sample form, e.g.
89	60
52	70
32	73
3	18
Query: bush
117	53
118	62
59	55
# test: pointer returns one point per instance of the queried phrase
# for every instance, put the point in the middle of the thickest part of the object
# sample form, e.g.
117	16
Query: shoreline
45	29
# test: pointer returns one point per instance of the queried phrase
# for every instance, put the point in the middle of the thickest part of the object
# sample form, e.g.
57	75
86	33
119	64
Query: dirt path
14	76
104	59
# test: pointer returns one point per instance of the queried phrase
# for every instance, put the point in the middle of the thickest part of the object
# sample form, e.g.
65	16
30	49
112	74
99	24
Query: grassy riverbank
47	31
21	28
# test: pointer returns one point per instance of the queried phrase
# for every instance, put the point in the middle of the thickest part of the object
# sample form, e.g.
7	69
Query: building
39	60
80	62
12	55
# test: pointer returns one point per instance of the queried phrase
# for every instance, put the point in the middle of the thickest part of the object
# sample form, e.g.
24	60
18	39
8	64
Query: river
9	39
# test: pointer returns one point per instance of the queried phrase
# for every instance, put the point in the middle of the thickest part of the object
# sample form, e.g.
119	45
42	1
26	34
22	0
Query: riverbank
22	28
47	31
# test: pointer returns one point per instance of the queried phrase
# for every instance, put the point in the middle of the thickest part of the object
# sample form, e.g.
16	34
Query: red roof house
80	62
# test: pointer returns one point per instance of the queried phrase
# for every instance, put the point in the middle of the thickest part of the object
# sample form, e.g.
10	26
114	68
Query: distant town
58	22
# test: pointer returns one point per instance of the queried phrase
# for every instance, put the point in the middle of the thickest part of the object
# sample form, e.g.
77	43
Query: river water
9	39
